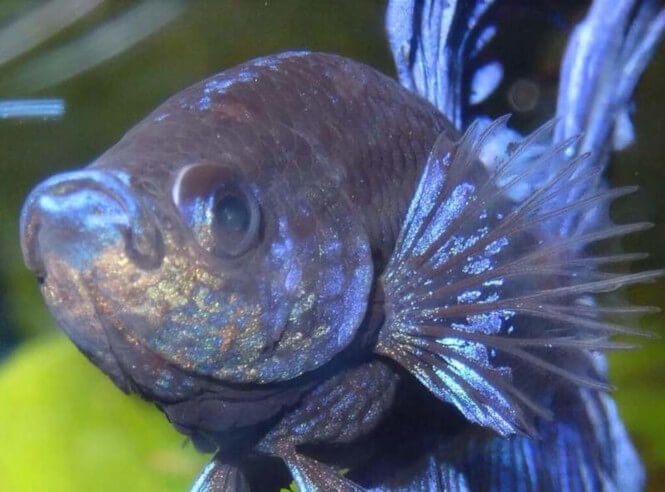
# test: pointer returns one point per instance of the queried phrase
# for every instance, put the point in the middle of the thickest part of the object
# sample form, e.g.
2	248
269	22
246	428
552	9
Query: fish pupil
232	214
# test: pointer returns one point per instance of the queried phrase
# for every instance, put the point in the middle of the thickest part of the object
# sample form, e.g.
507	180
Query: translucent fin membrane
608	51
489	303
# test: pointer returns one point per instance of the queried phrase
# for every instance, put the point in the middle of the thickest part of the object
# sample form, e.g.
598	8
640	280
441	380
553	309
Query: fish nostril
145	246
78	212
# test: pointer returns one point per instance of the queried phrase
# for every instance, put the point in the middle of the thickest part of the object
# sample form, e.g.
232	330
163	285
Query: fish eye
232	214
222	213
234	221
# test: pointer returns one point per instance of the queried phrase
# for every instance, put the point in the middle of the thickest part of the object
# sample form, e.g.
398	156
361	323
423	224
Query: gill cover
286	277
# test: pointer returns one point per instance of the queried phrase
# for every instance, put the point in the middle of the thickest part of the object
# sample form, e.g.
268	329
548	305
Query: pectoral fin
483	306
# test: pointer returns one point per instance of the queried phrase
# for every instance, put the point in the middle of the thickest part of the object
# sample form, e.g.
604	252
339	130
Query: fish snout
76	215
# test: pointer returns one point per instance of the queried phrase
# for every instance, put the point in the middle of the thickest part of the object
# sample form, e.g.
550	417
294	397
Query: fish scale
325	270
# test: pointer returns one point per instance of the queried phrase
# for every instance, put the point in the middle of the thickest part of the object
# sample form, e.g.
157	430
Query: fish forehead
260	117
296	127
284	120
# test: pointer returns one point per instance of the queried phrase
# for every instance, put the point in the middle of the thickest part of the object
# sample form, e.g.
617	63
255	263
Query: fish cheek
171	311
270	316
193	313
319	269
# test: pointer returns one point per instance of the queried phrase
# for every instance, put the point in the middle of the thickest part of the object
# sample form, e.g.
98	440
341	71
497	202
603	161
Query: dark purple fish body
325	151
332	193
299	258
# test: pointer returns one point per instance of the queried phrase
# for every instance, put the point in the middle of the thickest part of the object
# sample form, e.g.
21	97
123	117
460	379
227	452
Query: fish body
160	315
301	259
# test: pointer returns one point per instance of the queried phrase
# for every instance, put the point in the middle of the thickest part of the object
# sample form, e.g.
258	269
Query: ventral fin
220	476
487	307
313	476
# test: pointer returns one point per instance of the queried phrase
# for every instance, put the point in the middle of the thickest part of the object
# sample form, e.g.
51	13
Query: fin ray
483	301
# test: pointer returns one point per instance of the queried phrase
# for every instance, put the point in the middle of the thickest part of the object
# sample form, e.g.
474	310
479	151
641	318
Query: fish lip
143	240
60	223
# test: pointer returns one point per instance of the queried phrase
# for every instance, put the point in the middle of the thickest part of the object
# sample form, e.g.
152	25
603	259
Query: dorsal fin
435	44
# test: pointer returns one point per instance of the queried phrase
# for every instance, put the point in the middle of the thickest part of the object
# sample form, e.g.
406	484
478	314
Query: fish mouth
66	224
76	215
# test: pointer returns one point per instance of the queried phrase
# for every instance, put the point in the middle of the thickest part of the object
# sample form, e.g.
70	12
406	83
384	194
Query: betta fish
303	262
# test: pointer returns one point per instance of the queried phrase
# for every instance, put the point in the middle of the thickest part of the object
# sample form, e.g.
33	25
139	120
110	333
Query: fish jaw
66	223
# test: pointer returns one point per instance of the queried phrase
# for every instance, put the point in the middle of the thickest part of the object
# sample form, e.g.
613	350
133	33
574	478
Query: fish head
195	246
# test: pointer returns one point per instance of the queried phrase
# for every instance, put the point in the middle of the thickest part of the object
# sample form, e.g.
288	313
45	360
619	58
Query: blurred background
97	67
